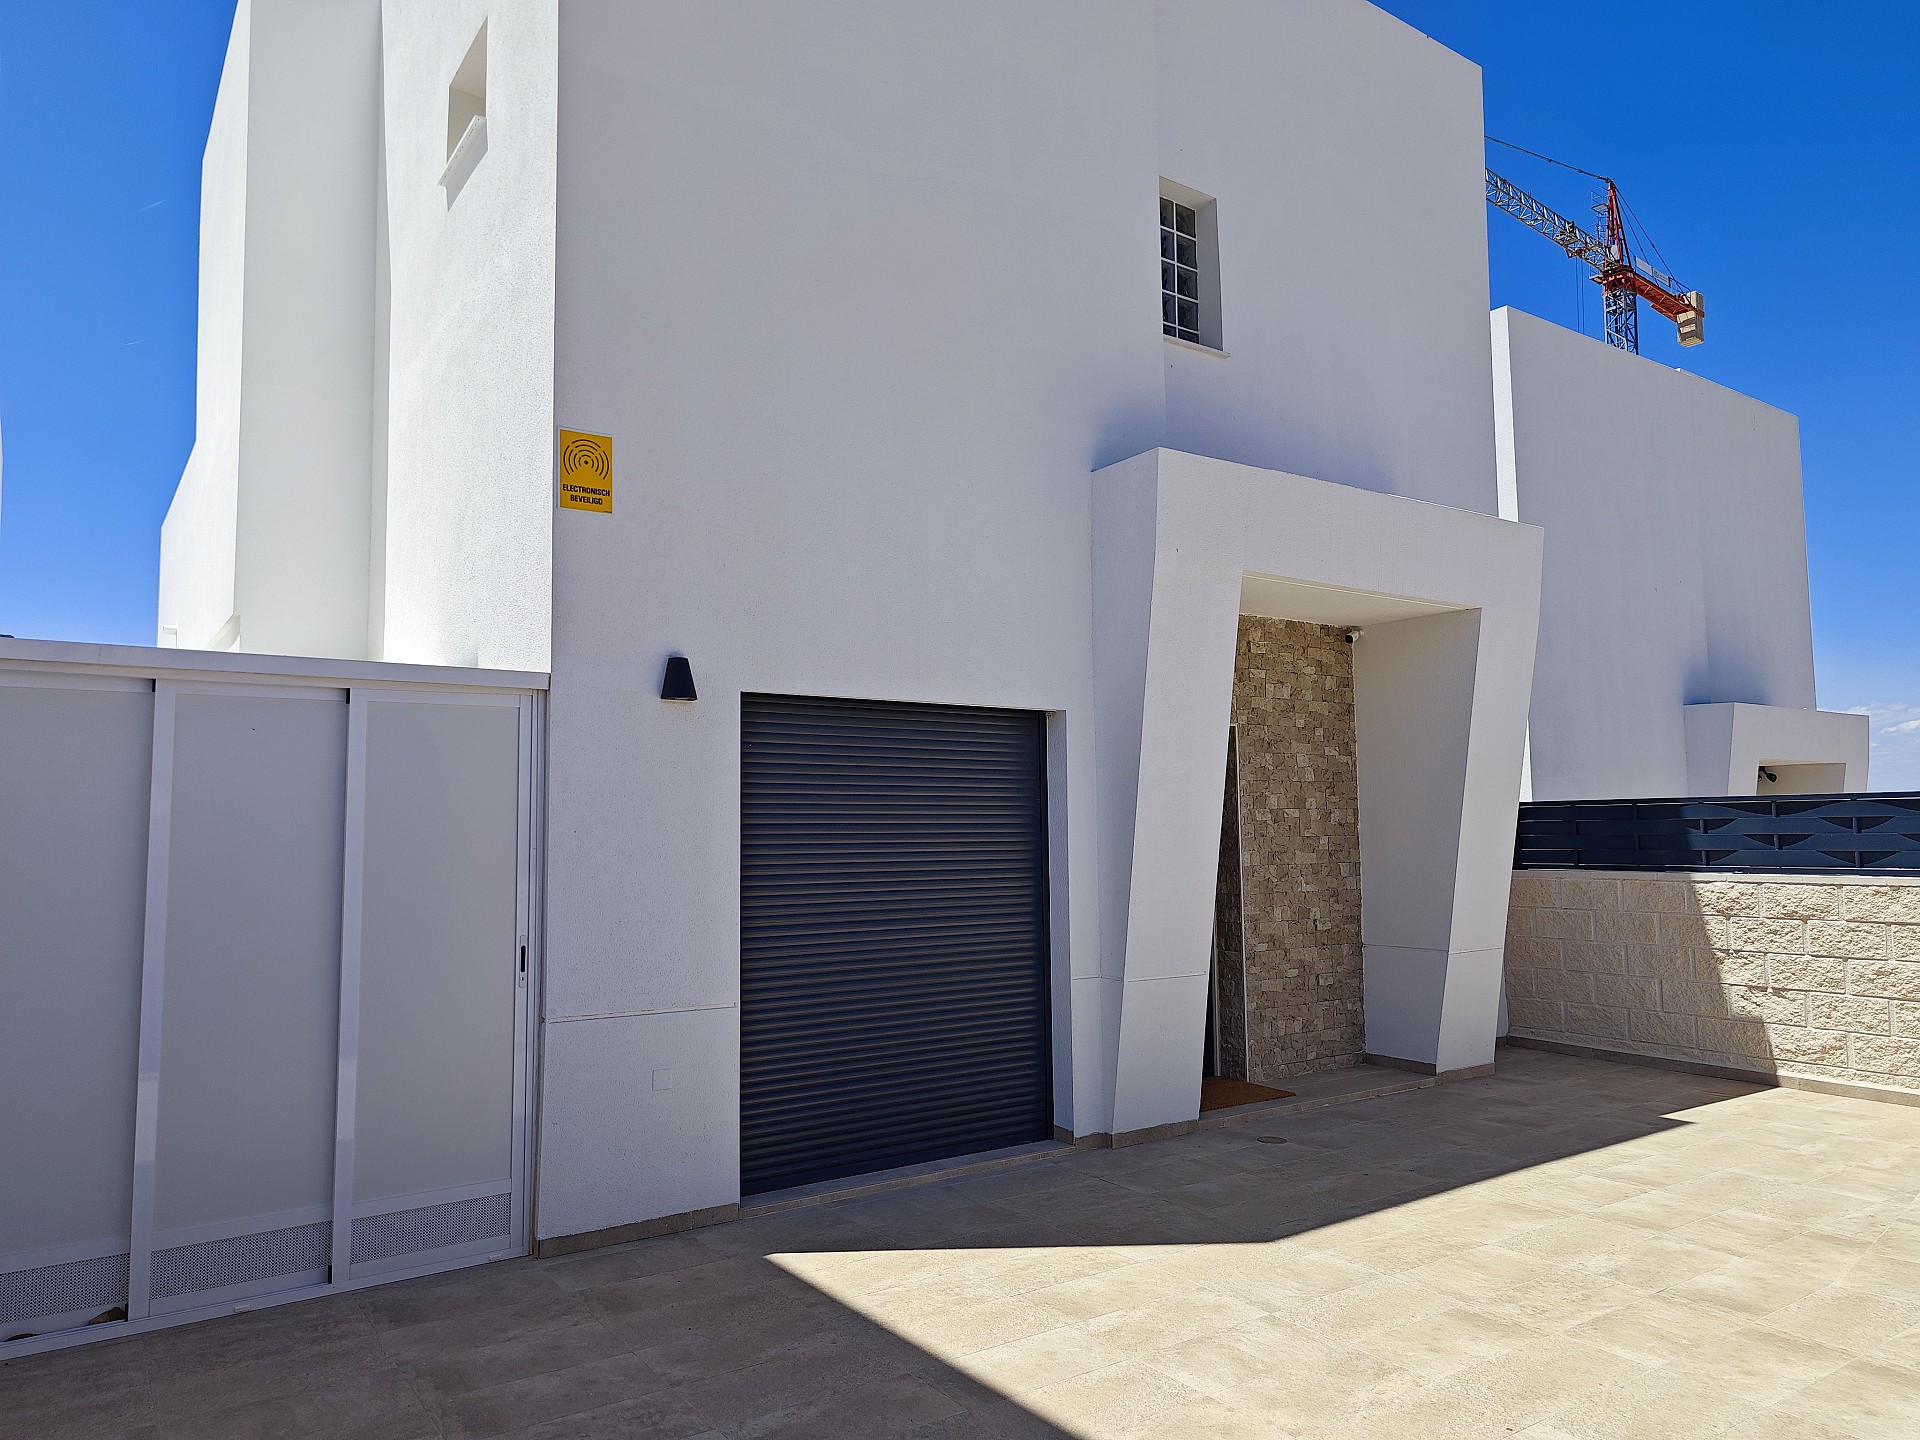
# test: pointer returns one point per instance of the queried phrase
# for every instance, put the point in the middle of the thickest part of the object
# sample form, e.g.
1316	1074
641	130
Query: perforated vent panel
432	1227
97	1284
189	1269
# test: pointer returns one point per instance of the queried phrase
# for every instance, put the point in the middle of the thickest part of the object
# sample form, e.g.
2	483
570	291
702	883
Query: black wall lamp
677	683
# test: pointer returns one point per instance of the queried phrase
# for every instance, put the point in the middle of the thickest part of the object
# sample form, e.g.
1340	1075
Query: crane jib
1624	277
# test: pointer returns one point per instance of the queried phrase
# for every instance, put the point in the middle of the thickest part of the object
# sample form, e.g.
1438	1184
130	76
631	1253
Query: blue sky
1770	148
1773	151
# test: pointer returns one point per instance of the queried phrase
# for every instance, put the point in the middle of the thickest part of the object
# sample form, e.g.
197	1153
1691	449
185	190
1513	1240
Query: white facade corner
1735	749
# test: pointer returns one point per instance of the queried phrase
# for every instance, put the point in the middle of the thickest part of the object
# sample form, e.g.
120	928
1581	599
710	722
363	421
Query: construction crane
1625	279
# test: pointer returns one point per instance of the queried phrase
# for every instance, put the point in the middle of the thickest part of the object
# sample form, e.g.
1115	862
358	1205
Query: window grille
1179	271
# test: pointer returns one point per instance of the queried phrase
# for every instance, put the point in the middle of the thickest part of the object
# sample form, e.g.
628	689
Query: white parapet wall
1675	577
1772	750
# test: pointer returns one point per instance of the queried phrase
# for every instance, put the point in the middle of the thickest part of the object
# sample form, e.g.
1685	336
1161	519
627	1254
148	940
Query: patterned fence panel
1788	834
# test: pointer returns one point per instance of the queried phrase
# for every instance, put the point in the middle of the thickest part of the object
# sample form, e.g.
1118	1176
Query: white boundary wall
268	937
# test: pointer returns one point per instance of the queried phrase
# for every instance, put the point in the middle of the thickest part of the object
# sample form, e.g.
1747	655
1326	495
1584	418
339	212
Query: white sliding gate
265	948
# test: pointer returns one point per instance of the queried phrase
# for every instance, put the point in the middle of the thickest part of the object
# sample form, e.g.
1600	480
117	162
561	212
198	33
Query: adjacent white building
1676	648
1000	552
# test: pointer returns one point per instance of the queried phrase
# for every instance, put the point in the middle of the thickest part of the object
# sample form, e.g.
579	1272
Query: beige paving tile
1446	1341
1499	1395
1821	1251
1846	1319
1577	1237
1133	1399
1653	1264
965	1329
1863	1399
1285	1275
1361	1310
692	1342
1757	1366
1174	1319
110	1381
532	1400
1271	1353
1472	1274
1658	1405
884	1408
1128	1288
1559	1301
665	1416
1752	1288
862	1272
341	1364
1774	1424
1655	1328
1017	1367
1737	1233
1657	1210
1885	1275
379	1406
801	1375
547	1349
1902	1349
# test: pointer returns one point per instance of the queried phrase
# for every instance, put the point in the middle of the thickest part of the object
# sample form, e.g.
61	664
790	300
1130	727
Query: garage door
893	936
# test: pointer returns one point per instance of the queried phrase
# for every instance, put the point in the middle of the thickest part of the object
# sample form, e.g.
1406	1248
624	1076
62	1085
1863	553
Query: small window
1179	270
467	95
466	116
1189	266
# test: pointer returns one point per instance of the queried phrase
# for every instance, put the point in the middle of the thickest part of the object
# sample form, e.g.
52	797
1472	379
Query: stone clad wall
1299	833
1814	976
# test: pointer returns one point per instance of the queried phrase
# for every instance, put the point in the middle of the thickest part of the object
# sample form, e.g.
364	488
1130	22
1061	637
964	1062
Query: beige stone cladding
1299	847
1816	976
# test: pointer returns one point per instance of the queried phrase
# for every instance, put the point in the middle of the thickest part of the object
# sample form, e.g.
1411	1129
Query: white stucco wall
371	471
1344	153
463	510
197	538
1676	570
863	306
284	420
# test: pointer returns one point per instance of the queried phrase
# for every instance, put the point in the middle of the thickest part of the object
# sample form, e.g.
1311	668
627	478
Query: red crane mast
1624	278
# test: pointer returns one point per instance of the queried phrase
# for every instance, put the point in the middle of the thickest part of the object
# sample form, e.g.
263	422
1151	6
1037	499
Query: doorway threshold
1329	1087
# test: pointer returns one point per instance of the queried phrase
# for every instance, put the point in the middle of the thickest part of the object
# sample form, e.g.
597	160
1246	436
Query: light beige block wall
1802	975
1299	832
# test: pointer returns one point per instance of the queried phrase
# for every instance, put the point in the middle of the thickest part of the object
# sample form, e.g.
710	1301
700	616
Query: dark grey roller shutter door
893	965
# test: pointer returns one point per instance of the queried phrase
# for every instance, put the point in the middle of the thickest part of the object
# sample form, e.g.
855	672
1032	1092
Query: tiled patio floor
1568	1249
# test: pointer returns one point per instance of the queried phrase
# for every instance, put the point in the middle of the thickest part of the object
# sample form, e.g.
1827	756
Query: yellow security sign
586	471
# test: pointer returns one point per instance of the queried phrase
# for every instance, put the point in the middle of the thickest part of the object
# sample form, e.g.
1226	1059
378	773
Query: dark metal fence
1787	834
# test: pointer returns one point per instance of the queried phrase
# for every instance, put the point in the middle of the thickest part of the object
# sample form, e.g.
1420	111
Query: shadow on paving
766	1326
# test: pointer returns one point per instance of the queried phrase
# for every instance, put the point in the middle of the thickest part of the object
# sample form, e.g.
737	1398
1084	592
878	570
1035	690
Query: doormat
1219	1093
